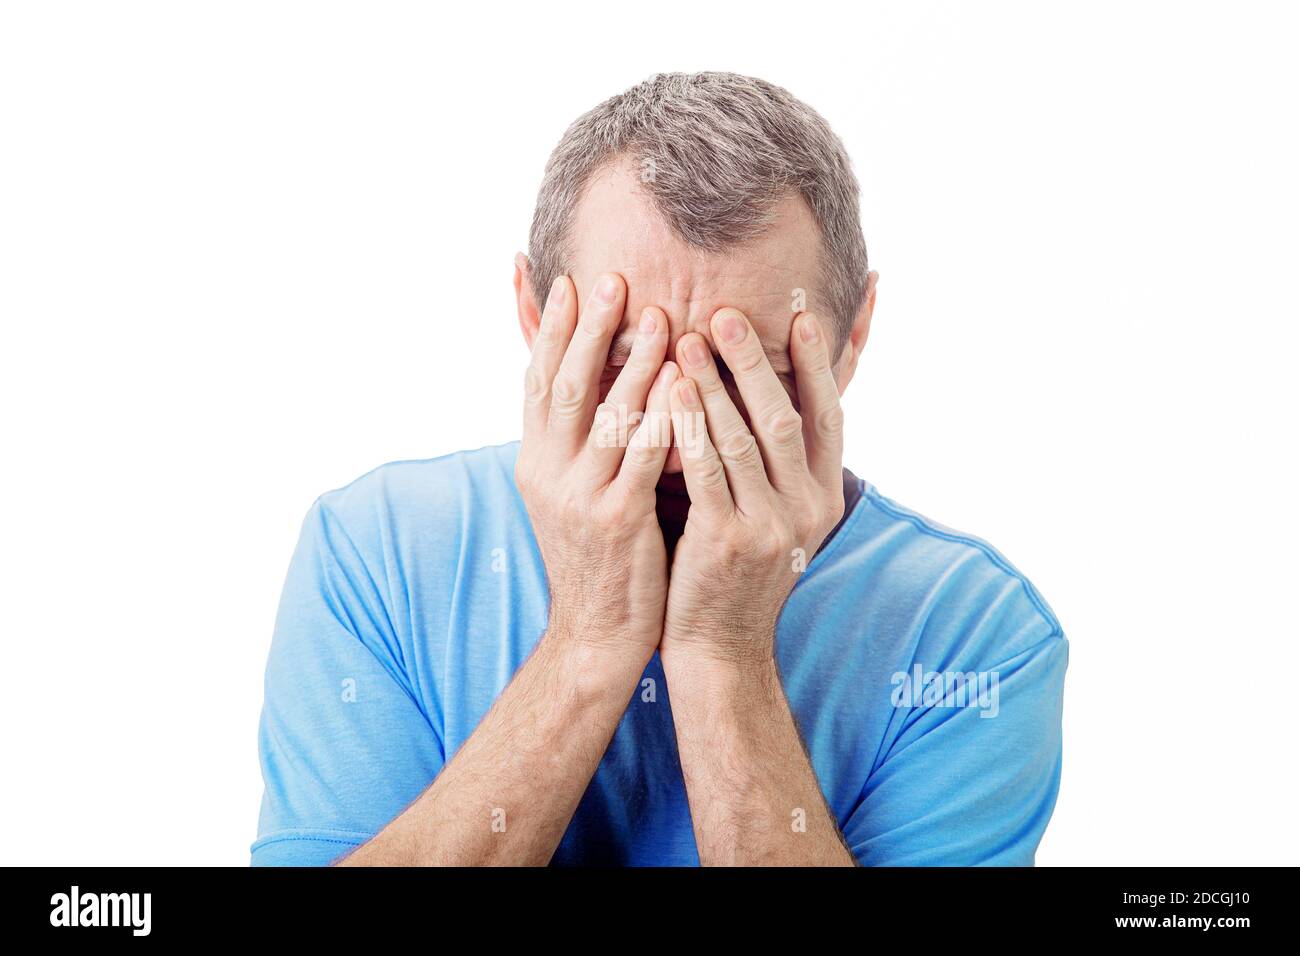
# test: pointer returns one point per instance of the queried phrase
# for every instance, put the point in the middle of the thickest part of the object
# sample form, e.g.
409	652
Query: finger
553	335
623	406
772	418
647	450
727	431
819	400
706	477
576	384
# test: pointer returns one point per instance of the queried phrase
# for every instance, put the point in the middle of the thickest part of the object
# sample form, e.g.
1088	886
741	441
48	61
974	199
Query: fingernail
730	328
697	356
649	322
667	375
687	393
607	289
557	290
808	329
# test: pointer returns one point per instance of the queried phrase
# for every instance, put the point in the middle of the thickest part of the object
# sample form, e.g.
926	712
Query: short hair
720	151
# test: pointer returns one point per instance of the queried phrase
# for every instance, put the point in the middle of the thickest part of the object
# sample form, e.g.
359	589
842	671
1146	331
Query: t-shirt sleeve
345	744
970	785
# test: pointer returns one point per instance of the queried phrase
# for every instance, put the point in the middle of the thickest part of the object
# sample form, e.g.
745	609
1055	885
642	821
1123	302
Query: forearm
753	795
507	796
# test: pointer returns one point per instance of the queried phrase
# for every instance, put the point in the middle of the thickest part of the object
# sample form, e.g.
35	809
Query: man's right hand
592	504
587	475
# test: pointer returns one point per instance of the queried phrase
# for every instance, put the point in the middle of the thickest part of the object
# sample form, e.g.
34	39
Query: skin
683	337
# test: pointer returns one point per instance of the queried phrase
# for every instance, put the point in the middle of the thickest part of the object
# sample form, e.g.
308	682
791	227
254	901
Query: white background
250	251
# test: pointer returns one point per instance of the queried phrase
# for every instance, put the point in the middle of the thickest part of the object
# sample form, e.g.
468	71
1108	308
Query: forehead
617	229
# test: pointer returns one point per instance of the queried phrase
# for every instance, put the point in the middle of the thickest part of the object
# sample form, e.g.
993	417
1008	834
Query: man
667	627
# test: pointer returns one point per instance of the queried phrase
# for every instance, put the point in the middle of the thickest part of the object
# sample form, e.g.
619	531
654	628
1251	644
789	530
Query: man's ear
848	361
530	315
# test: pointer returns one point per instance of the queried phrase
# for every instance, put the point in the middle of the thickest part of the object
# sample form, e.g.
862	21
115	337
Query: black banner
1224	905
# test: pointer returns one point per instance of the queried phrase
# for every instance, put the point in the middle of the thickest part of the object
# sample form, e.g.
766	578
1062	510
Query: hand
762	501
588	479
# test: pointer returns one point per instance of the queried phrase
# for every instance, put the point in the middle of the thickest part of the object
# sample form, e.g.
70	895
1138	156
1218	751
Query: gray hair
721	150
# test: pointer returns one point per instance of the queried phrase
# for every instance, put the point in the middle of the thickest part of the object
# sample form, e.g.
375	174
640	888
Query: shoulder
425	489
942	591
418	509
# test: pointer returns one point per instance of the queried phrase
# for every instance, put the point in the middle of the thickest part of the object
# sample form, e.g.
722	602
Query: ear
848	361
530	315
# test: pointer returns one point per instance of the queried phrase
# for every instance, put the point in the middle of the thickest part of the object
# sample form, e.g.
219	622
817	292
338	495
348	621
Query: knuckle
830	421
565	393
709	385
606	427
607	515
655	429
640	365
785	425
816	361
768	546
711	472
594	322
749	360
638	452
535	385
648	438
734	542
639	457
550	334
739	446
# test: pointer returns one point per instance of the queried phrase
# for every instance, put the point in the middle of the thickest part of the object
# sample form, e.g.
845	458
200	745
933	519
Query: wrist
617	623
594	649
734	647
720	667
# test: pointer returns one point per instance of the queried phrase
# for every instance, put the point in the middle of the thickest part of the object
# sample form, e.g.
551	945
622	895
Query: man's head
706	190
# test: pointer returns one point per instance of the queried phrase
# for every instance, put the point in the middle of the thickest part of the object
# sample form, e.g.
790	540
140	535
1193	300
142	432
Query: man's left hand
763	496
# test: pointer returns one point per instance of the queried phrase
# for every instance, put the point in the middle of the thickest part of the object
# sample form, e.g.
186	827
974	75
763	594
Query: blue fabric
417	591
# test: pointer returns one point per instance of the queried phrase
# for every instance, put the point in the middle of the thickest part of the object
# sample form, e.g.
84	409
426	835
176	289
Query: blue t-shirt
925	674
